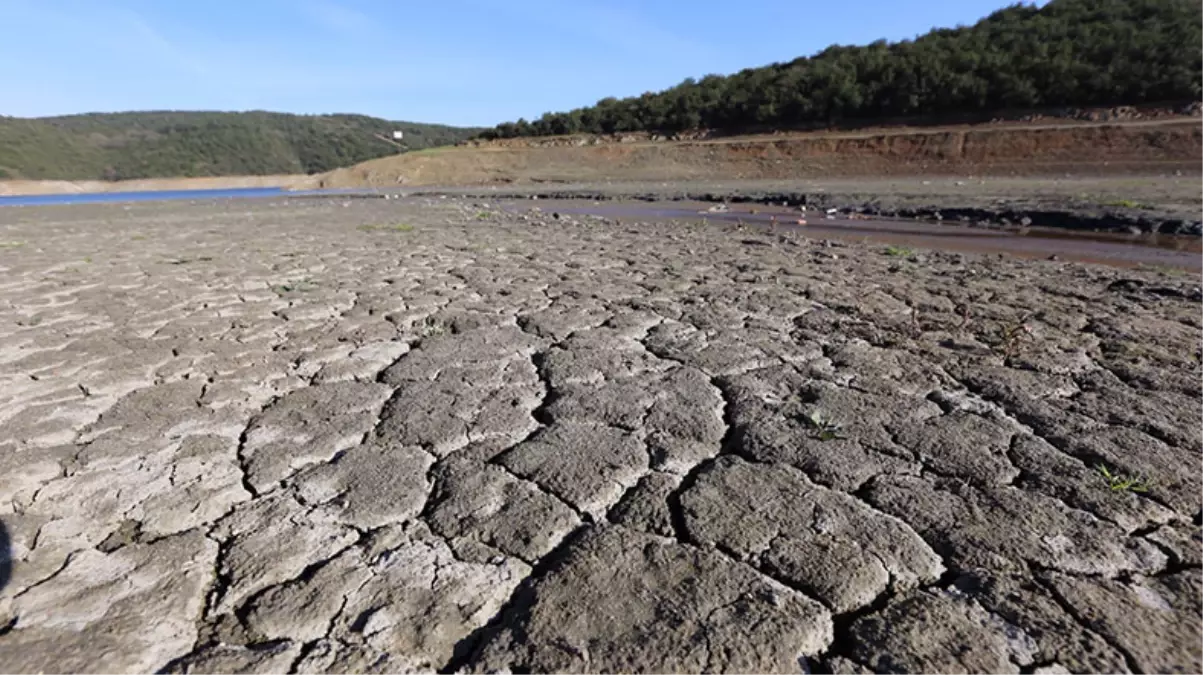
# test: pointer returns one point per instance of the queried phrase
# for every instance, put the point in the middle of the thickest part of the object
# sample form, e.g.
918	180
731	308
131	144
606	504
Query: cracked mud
372	436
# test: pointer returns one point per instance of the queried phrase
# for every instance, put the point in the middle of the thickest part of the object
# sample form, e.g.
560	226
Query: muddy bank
1126	220
1149	205
1175	252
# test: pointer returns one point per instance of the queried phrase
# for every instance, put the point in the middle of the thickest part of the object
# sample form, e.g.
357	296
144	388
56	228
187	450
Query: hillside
1068	53
1156	146
120	146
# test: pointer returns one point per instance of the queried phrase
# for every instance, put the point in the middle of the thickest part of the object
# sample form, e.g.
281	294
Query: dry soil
413	435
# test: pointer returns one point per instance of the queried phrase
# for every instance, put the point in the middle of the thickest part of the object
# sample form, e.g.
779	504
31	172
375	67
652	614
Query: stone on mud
134	609
823	541
654	606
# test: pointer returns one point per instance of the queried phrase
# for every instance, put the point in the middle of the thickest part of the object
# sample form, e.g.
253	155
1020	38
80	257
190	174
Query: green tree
1069	52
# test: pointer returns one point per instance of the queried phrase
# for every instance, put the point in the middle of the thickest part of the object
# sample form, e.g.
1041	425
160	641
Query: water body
146	196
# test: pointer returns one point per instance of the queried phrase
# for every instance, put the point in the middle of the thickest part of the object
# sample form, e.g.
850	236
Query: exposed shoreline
1124	205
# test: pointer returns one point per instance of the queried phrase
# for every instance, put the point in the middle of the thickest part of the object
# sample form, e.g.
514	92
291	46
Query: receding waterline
140	196
167	195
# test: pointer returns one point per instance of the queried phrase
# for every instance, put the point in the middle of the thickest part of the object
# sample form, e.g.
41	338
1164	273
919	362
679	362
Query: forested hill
164	144
1068	53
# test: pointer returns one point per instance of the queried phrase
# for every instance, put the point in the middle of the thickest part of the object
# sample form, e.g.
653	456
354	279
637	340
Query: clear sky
469	62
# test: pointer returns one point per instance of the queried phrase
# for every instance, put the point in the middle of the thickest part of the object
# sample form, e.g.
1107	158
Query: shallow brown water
1123	250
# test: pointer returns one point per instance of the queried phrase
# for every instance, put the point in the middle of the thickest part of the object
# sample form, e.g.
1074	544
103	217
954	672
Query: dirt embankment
63	187
1115	204
1053	116
1124	148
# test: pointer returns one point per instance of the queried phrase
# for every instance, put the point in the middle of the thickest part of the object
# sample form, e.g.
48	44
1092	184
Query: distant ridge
159	144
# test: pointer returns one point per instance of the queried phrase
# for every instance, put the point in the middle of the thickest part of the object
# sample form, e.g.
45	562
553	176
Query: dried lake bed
430	434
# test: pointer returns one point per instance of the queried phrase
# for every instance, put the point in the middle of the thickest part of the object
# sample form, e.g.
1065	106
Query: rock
819	540
1125	285
1005	528
1155	620
661	607
133	609
373	485
272	657
1020	600
309	426
962	444
938	632
486	375
777	431
486	504
588	466
645	507
271	540
410	603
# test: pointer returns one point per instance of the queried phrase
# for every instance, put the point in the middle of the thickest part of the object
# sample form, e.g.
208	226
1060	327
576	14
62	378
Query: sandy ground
387	436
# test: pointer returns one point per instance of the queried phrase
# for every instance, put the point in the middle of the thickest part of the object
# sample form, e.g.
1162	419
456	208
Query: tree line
1067	53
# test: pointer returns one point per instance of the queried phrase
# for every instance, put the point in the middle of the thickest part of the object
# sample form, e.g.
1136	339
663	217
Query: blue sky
470	62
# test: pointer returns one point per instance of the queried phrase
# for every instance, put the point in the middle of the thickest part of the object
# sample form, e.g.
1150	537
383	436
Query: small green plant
1126	204
431	328
1121	483
397	227
482	215
185	260
138	237
1167	270
824	427
11	244
1013	336
966	313
301	286
898	251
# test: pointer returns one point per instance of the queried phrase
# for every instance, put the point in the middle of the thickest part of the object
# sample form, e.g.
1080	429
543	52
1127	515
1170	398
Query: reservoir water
149	195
